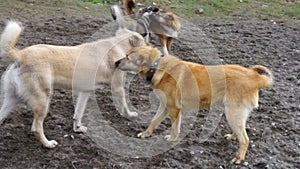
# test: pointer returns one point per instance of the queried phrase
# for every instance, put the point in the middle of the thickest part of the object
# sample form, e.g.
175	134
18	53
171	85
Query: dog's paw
230	136
80	129
170	138
51	144
132	114
236	160
144	134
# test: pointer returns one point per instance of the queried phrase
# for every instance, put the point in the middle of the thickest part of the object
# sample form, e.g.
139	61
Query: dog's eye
144	34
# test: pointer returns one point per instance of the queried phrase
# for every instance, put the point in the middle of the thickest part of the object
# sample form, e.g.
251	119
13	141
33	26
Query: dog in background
165	24
38	69
184	86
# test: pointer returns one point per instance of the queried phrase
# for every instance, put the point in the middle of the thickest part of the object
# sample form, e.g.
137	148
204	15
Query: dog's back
217	83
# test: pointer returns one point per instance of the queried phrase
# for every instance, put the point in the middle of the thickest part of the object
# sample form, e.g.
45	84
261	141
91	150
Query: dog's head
148	10
139	59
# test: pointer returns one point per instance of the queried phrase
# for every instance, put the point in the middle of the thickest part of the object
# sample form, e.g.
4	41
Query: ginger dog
182	85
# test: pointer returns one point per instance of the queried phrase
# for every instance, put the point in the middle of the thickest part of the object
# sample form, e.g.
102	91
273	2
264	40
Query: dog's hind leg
169	43
37	94
40	106
79	110
9	103
175	115
10	99
237	117
163	42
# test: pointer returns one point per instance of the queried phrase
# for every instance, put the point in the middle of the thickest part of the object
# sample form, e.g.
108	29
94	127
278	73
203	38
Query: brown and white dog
182	86
165	24
40	68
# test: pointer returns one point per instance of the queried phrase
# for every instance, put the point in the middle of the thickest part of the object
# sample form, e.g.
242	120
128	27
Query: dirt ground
273	128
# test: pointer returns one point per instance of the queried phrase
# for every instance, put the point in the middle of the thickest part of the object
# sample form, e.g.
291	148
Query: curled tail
9	38
117	15
266	76
129	6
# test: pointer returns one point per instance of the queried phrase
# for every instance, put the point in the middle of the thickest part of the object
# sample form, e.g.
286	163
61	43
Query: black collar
152	70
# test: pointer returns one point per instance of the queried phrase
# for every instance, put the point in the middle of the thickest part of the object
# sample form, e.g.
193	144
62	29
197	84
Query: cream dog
83	68
182	85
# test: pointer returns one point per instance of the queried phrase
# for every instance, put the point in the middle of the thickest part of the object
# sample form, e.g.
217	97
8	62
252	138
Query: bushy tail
117	15
266	76
129	5
9	38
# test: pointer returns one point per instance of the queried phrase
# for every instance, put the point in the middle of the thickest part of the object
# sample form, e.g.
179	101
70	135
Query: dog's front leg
175	115
118	94
79	110
160	115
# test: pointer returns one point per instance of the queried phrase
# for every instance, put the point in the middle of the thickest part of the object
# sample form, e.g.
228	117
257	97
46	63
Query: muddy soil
273	128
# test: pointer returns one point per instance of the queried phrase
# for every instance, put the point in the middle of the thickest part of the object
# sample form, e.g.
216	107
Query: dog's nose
117	63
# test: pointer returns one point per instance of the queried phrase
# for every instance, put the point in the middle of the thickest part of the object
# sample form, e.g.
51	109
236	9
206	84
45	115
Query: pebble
199	11
71	136
296	50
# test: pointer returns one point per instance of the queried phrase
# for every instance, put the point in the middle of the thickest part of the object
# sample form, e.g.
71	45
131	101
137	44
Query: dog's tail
117	15
265	76
129	5
9	38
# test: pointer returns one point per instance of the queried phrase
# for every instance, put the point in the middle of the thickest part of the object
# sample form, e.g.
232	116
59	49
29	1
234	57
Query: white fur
8	38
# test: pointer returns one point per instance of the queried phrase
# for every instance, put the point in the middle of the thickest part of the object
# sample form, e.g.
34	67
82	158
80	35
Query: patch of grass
227	8
223	8
104	2
280	8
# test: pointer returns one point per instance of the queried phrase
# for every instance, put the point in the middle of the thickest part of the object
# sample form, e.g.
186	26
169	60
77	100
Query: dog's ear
135	41
170	17
143	61
155	9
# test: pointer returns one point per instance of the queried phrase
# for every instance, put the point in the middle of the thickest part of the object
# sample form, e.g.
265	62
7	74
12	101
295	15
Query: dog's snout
117	63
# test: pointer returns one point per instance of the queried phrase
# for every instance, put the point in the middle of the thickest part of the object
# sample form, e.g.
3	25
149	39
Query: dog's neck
144	22
153	69
166	67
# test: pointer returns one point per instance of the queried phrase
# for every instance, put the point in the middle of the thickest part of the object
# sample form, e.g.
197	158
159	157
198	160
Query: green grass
99	1
224	8
227	8
281	9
